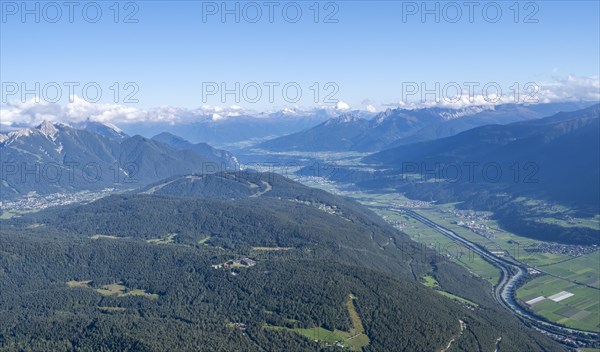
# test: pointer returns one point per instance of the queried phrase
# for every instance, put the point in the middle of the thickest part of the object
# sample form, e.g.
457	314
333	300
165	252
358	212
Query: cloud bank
17	114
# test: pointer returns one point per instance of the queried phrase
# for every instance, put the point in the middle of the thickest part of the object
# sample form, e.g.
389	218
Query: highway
504	291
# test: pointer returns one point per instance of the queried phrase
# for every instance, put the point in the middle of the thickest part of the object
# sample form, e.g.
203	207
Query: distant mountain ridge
349	132
243	129
216	155
55	157
398	126
500	115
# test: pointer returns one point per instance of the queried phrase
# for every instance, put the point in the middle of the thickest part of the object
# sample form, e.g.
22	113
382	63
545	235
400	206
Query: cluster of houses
244	262
238	262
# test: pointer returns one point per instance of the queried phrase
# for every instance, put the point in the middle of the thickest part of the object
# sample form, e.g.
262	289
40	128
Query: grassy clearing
121	290
272	248
81	284
429	281
112	309
316	334
12	213
457	298
355	339
110	237
574	222
354	317
112	289
163	240
116	289
204	240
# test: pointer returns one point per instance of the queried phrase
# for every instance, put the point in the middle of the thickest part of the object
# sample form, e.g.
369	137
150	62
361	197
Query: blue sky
367	54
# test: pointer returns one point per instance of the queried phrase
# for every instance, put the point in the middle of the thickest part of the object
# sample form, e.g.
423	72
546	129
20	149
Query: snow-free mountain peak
343	119
48	129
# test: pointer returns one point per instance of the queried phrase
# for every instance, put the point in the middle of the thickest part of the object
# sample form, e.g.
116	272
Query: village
34	201
236	263
566	249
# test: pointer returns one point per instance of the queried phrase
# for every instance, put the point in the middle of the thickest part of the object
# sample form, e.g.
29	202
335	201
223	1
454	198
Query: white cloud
571	88
561	89
342	105
28	113
16	114
80	110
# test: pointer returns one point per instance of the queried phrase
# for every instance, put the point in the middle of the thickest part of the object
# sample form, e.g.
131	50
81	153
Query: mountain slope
336	134
216	155
348	132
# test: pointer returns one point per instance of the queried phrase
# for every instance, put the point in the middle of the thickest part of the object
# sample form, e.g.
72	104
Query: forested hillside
145	272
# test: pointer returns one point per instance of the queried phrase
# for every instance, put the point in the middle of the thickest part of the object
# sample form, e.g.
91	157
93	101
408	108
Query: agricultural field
582	269
563	302
514	246
498	240
434	240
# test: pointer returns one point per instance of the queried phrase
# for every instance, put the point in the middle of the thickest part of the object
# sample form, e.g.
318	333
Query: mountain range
501	168
393	127
245	129
54	157
552	149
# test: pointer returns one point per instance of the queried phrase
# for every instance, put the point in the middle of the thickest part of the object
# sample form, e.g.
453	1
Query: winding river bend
504	291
